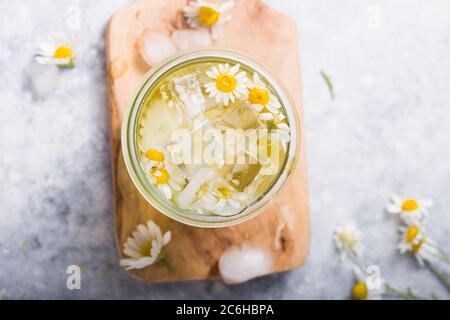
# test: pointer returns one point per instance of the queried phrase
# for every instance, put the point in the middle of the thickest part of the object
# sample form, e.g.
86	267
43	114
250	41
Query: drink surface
212	136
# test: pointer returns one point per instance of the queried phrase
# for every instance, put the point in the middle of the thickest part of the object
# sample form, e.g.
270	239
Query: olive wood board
271	39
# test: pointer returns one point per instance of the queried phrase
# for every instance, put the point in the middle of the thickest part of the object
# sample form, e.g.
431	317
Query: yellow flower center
416	247
410	205
203	189
146	249
63	52
226	83
348	240
258	96
161	175
155	155
207	16
224	192
412	233
360	291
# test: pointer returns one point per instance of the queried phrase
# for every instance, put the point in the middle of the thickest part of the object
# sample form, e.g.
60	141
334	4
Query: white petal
226	6
265	116
394	209
153	229
210	74
283	126
47	48
132	253
226	99
167	237
144	232
271	108
234	69
158	234
234	204
137	263
156	249
166	191
216	72
132	244
139	238
426	203
241	75
396	200
359	274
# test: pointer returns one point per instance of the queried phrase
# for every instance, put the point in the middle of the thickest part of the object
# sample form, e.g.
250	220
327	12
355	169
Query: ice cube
243	175
155	46
238	117
239	264
190	38
158	123
188	91
187	196
43	78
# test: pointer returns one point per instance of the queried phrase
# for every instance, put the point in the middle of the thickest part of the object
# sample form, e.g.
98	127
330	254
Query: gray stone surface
387	130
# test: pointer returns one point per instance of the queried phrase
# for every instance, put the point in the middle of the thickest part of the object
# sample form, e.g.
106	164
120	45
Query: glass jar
130	148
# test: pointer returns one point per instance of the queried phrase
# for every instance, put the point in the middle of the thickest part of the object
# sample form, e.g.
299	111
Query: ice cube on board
190	38
155	46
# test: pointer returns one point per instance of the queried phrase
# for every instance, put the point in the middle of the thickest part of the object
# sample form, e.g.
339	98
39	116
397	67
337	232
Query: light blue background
386	131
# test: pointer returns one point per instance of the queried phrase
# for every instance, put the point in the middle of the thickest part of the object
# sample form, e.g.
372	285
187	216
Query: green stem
444	257
355	262
442	279
408	294
441	254
164	263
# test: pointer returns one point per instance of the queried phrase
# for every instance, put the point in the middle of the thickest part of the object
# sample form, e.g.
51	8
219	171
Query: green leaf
327	79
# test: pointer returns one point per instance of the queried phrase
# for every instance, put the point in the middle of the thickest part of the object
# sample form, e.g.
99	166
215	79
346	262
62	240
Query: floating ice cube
187	196
243	175
188	90
158	124
238	117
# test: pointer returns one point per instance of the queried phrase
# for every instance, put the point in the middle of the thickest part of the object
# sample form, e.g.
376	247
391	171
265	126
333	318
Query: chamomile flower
347	240
228	83
59	50
268	108
261	100
145	246
219	199
165	179
411	211
283	130
366	288
208	14
152	158
413	239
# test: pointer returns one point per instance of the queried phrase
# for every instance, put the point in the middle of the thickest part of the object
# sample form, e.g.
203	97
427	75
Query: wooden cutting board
270	38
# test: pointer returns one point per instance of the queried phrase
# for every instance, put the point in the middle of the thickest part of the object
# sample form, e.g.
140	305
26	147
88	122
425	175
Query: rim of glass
130	150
